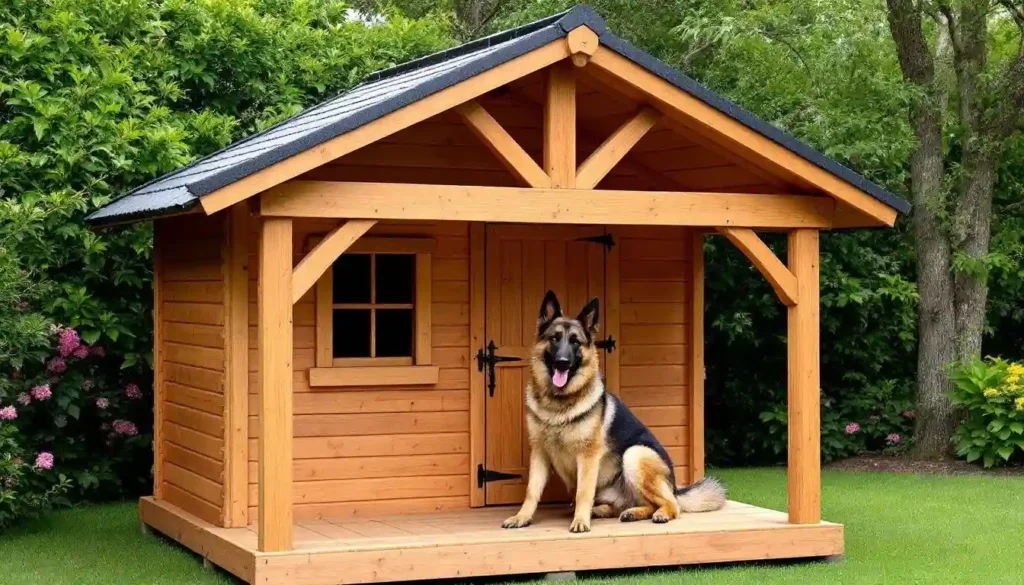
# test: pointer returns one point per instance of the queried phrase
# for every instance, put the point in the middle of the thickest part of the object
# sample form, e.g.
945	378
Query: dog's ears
549	311
588	316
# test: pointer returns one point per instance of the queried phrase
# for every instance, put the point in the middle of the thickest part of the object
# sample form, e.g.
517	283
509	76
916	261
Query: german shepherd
602	452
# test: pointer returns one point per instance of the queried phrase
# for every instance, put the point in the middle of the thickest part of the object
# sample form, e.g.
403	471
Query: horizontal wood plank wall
654	326
191	364
358	449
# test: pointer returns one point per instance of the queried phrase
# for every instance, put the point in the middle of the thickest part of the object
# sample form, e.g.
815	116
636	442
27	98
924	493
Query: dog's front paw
660	518
580	525
516	521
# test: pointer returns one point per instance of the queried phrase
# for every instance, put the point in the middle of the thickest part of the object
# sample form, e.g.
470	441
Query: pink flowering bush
27	489
876	419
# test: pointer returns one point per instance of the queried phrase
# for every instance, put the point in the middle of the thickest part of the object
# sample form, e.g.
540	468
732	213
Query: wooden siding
190	364
654	332
357	449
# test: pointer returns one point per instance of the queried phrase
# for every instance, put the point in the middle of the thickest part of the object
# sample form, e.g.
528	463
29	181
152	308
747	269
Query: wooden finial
583	43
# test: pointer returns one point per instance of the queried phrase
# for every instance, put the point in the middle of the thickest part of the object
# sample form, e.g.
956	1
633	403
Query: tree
950	52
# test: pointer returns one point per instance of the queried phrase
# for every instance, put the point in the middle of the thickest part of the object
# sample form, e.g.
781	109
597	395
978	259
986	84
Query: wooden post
275	355
804	382
560	127
236	366
696	356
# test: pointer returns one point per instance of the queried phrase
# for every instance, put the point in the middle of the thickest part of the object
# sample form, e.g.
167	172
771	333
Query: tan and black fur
599	449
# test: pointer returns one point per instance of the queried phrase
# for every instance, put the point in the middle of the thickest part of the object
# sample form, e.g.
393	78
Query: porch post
804	382
275	381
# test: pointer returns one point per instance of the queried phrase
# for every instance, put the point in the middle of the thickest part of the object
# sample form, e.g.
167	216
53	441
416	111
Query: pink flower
124	427
102	403
98	351
81	352
852	428
57	365
24	399
44	460
132	391
910	414
8	413
893	439
41	392
67	342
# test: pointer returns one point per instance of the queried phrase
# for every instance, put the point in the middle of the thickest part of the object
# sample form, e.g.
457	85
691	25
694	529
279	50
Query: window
373	314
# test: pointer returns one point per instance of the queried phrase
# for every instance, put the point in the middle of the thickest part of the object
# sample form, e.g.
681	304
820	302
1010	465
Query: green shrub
28	485
992	394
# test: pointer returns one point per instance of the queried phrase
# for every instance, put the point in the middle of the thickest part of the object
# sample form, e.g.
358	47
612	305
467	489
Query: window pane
351	333
394	332
395	277
352	278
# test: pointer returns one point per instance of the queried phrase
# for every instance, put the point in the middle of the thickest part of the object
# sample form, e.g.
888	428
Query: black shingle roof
388	90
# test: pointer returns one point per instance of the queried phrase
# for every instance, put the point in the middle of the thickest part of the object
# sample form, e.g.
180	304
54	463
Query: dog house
343	302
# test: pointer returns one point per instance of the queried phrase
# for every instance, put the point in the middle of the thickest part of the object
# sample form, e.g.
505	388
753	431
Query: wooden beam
275	382
781	279
159	367
330	199
804	385
560	127
501	143
320	258
236	367
696	341
582	43
733	134
418	111
477	383
612	150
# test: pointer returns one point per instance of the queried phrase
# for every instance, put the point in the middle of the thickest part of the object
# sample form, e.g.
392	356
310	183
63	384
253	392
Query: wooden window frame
378	371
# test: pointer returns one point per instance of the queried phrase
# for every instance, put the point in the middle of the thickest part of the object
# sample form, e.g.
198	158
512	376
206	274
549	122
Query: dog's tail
707	495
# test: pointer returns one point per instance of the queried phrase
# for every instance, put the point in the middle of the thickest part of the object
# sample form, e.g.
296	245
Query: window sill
373	376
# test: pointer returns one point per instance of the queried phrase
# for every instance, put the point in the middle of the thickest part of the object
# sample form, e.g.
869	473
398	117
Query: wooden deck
471	543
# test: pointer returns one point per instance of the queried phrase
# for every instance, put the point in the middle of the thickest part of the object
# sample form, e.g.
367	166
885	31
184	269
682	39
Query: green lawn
899	529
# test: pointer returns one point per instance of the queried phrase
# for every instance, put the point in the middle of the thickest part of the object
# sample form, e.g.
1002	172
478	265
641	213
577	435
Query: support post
236	365
560	127
275	379
804	382
696	422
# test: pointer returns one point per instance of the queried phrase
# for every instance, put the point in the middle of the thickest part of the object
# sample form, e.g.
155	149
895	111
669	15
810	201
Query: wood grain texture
501	143
560	127
615	148
374	376
275	365
385	126
735	137
804	384
320	199
159	369
236	366
440	543
320	258
766	262
696	357
582	42
477	320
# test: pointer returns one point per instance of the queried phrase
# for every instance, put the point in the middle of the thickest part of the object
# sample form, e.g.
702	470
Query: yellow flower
1016	370
1012	379
1013	388
990	392
1020	403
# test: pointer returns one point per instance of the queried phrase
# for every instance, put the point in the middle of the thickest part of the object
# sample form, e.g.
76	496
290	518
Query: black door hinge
608	343
486	475
488	358
605	240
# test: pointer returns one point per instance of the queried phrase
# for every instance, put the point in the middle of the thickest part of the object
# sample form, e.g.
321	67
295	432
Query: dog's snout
562	363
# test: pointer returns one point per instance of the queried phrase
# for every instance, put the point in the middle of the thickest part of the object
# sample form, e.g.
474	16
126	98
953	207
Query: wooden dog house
333	298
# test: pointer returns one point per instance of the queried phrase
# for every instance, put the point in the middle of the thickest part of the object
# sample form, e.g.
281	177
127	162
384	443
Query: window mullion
373	302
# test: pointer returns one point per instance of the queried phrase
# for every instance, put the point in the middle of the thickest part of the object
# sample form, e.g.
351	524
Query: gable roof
388	90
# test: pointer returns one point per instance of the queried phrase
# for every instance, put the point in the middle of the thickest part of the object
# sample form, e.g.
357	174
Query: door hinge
484	475
605	240
489	359
607	343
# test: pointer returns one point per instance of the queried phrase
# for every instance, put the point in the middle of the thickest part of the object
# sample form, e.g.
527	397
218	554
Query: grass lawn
899	529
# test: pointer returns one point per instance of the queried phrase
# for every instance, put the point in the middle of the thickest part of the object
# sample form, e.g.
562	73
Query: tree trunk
936	323
972	230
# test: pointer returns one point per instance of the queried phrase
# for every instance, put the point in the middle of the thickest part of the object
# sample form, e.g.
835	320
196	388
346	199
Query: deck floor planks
471	542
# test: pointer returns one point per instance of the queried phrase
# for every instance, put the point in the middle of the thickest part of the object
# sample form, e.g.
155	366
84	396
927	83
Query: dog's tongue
560	378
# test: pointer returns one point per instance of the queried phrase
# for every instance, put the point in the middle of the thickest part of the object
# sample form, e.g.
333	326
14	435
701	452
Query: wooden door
524	262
